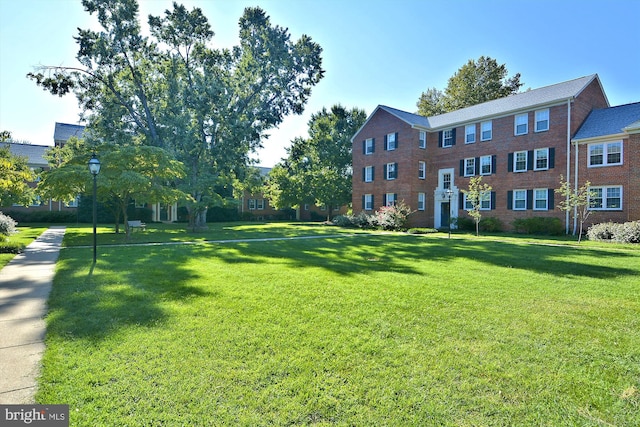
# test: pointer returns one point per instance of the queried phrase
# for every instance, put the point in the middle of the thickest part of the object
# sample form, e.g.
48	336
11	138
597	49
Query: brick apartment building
520	145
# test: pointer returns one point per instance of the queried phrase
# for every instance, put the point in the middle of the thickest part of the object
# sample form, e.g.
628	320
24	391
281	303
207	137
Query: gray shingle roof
64	131
33	153
609	121
522	101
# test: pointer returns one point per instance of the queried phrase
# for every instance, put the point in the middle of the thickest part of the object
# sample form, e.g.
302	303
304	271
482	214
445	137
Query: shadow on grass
127	287
400	253
139	285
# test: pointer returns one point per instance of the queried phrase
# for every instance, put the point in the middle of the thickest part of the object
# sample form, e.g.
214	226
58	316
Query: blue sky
375	51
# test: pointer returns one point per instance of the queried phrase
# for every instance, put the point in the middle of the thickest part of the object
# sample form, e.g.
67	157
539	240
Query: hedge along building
520	145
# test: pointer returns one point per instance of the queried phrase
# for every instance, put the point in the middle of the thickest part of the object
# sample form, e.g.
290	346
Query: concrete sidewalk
25	284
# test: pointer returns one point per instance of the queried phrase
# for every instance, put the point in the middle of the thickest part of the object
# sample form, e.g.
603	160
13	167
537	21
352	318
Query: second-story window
422	170
447	138
541	160
422	142
369	146
520	161
391	170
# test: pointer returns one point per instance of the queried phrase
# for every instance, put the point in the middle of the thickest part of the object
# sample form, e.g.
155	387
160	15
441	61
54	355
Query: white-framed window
486	131
519	200
542	120
521	124
422	170
520	161
470	166
606	198
422	141
447	138
486	165
605	154
391	171
541	199
541	159
421	201
391	141
446	180
260	204
368	202
75	202
390	199
485	202
470	134
252	204
306	206
369	147
323	207
368	174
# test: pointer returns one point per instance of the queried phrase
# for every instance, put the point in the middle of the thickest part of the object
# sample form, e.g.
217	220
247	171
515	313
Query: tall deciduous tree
319	169
474	83
210	108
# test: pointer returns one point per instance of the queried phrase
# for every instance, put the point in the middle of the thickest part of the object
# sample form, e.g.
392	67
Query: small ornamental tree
476	193
577	202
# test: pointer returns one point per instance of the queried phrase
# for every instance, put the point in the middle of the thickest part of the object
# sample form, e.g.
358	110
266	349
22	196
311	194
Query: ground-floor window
606	198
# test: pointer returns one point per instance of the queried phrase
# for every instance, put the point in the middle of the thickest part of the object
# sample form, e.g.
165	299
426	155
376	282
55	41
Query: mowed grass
25	236
380	329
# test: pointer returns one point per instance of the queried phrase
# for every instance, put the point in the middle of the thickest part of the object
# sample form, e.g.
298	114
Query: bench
137	224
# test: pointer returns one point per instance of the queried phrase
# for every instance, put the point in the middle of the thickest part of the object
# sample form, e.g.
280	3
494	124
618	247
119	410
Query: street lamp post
94	168
449	192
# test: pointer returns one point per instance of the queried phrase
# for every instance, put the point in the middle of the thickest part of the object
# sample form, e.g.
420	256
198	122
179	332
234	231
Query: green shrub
11	247
629	232
7	225
47	217
464	223
490	224
539	225
419	230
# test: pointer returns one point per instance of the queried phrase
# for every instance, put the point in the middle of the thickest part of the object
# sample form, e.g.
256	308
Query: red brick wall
503	142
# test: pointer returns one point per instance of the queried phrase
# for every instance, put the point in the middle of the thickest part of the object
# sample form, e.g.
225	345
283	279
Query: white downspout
575	208
566	219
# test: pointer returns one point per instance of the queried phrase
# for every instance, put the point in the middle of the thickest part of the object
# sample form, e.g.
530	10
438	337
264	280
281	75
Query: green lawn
381	329
25	235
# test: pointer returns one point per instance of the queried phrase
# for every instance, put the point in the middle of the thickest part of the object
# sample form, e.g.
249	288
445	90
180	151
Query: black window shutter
385	143
510	163
494	160
552	158
364	147
529	199
364	174
461	200
397	140
462	167
476	168
385	172
363	205
395	170
509	199
550	201
440	139
453	136
373	173
384	199
493	200
395	198
530	160
373	201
